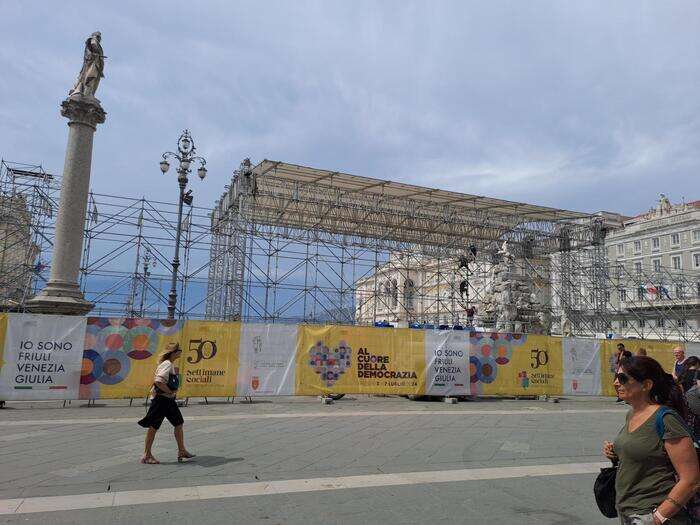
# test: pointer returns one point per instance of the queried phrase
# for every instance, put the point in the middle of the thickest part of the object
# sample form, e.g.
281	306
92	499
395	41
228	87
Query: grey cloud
586	105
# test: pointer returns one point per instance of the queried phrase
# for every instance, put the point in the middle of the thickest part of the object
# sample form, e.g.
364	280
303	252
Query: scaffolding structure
28	204
293	244
299	244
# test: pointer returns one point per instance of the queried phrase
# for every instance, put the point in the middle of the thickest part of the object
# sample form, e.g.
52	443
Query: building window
607	294
623	323
618	272
409	290
655	243
661	322
623	295
657	265
637	246
680	291
642	323
676	260
696	235
641	291
675	239
620	249
696	260
681	323
697	285
638	268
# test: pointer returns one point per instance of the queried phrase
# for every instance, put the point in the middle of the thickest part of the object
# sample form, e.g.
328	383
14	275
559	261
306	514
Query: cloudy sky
584	105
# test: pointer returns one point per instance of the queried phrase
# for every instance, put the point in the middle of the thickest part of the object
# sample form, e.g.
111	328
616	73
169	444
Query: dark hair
626	354
620	345
689	373
665	390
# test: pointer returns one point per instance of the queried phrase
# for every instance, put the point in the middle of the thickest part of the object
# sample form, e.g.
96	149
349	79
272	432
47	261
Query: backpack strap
659	423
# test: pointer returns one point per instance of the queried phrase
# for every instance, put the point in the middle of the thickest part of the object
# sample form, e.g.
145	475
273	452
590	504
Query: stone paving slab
44	456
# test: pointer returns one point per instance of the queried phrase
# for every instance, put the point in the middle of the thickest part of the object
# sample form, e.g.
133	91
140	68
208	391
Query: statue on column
93	67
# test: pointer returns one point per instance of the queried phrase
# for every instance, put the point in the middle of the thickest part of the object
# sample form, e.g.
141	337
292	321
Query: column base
61	299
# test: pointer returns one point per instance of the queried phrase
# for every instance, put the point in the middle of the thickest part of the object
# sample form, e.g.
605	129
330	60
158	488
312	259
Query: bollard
450	400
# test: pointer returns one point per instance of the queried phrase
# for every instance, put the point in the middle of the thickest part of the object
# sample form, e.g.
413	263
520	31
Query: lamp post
185	156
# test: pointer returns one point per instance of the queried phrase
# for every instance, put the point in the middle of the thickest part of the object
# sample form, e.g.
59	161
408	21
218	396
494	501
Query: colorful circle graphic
91	368
168	326
141	342
474	369
112	338
115	367
488	370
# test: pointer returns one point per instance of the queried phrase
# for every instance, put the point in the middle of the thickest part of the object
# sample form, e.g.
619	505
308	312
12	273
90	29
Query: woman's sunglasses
622	378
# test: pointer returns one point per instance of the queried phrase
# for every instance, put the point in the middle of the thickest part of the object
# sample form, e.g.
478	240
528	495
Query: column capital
83	109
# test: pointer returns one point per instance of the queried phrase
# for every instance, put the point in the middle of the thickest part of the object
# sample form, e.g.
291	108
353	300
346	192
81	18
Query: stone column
62	294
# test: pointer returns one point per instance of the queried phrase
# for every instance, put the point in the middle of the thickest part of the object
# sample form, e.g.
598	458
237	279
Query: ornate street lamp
185	156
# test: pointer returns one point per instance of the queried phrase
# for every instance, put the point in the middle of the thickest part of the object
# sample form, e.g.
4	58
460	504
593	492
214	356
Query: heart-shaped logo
330	364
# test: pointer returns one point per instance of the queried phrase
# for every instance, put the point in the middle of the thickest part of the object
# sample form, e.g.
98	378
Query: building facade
655	266
642	281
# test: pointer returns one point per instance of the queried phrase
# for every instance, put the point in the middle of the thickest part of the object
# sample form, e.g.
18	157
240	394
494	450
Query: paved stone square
292	460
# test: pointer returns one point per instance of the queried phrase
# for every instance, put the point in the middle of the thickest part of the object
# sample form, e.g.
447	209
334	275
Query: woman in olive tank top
657	475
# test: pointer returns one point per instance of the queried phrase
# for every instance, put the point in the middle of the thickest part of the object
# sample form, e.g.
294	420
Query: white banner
581	366
42	357
447	362
267	360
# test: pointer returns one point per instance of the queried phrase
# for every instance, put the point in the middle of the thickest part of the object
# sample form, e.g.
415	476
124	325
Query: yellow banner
209	362
121	355
662	351
361	360
516	364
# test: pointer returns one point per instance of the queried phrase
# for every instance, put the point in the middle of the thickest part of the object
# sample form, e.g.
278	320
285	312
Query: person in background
641	351
679	354
621	354
689	375
163	405
657	475
689	380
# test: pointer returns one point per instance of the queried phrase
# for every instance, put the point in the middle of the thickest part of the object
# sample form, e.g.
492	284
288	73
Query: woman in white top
164	406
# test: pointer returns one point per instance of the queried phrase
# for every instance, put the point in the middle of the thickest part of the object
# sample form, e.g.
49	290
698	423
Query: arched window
409	290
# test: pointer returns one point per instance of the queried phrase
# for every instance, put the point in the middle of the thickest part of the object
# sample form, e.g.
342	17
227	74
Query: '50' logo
202	349
539	358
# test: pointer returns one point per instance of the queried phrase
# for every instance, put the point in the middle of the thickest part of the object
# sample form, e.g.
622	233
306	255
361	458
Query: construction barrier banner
662	351
581	366
120	355
267	365
447	363
68	357
209	361
360	360
41	356
515	364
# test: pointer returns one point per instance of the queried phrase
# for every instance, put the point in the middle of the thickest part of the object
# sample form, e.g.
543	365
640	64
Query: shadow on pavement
205	461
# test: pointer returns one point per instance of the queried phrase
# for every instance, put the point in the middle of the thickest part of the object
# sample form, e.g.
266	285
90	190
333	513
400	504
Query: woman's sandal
185	455
149	460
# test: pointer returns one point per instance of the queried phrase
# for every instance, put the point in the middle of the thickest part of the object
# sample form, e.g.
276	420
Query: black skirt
162	408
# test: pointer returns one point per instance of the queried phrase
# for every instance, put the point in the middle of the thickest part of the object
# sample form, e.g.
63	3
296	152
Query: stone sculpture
93	67
510	304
